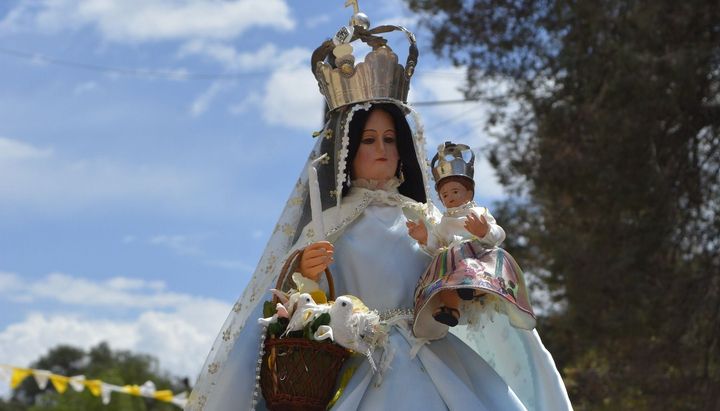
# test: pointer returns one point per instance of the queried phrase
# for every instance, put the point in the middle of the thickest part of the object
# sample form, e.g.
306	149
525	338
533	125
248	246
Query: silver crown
379	77
453	160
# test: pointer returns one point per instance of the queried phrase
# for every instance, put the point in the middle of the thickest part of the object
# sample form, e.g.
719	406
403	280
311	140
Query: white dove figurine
354	326
353	323
302	312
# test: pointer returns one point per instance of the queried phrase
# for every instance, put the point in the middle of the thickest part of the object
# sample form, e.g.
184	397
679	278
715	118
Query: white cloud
203	101
17	150
180	244
461	123
230	58
291	96
124	283
235	265
38	179
150	20
176	328
9	282
252	100
114	293
85	87
315	21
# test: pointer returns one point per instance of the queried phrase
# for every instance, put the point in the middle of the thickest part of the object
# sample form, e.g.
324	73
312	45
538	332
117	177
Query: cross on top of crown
354	3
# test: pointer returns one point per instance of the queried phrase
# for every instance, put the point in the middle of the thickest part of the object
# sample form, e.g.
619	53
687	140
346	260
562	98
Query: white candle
315	202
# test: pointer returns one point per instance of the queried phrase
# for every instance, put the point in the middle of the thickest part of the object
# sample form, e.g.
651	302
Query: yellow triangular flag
18	375
59	382
164	395
94	386
132	390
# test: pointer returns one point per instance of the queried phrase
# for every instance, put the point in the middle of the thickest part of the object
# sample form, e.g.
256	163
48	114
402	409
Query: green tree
610	148
100	362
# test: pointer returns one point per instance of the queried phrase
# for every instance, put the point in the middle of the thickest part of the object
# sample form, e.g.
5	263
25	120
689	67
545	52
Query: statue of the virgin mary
374	174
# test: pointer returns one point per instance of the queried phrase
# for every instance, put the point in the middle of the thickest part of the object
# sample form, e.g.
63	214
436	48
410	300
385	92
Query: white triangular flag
148	389
78	383
41	378
5	372
180	400
106	390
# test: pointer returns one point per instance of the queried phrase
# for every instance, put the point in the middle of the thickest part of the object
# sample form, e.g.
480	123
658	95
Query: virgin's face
377	156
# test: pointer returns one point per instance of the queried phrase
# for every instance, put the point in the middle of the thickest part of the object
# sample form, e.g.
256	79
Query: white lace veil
333	140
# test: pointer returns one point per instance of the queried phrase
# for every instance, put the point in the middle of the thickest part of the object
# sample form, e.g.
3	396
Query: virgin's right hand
315	259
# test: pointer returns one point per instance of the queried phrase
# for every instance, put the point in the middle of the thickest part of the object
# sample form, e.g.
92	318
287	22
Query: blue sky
147	148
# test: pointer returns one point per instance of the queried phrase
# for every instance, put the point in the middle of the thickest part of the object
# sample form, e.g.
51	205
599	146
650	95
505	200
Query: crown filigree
453	160
378	77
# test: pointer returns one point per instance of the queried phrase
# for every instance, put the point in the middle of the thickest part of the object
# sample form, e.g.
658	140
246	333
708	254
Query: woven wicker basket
297	373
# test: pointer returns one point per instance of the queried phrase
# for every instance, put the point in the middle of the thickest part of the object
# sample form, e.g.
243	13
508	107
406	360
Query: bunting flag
98	388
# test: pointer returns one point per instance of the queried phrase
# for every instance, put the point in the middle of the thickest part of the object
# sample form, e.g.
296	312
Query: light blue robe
378	262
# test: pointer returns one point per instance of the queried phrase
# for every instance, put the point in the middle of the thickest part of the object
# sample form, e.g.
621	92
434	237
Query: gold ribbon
344	380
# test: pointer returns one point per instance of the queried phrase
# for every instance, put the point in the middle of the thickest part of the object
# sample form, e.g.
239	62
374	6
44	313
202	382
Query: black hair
466	182
413	185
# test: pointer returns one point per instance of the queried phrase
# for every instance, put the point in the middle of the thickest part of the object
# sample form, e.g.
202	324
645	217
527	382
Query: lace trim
453	211
391	185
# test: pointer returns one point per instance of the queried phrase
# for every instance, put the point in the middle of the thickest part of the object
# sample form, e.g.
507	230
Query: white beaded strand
256	390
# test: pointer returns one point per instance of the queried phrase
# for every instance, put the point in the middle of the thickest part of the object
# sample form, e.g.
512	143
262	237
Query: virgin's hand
477	226
315	259
418	231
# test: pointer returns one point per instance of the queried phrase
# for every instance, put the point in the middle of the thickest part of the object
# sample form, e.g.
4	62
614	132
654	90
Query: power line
180	74
169	74
442	102
166	74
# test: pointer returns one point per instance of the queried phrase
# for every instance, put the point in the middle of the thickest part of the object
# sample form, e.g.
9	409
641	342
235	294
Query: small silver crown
379	77
453	160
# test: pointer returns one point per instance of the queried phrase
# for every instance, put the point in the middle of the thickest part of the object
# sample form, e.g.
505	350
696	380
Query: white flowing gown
377	261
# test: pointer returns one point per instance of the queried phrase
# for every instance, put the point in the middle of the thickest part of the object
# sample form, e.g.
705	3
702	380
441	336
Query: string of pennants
78	383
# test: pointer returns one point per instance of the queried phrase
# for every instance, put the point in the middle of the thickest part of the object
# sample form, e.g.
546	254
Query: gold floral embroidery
288	230
227	334
295	201
237	307
272	259
213	368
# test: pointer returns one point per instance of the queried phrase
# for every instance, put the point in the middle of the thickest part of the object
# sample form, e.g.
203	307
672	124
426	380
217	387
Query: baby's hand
477	226
418	231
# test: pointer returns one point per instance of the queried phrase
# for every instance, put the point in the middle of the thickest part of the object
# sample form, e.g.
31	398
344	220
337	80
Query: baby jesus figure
463	221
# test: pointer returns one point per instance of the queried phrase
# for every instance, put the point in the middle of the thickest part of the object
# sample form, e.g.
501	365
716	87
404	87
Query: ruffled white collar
391	185
453	211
